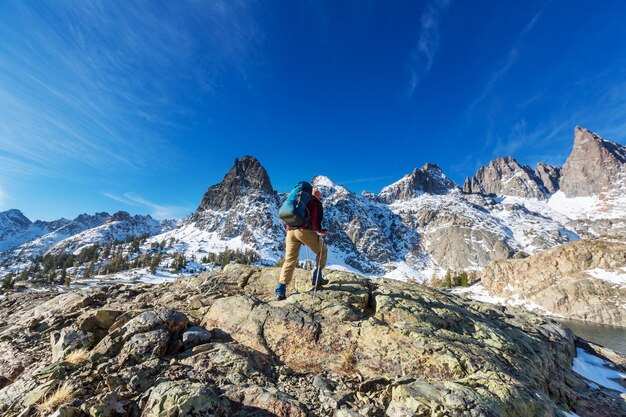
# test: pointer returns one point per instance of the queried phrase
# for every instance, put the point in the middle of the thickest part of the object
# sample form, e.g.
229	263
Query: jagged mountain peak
506	176
243	205
248	171
502	161
246	177
583	137
594	165
430	167
429	179
84	216
119	216
582	134
323	181
328	187
550	176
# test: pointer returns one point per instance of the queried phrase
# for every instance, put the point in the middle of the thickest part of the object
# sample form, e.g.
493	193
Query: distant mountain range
21	239
421	224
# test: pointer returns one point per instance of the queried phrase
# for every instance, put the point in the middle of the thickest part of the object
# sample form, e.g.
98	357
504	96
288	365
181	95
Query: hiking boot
280	292
317	276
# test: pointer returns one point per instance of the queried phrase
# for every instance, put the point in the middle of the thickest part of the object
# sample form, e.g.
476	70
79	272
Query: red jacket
316	215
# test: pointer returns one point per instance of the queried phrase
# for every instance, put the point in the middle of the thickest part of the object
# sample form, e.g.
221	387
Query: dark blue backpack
293	212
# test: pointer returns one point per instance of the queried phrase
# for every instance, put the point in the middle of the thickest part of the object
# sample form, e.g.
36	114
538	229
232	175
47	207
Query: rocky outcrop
549	176
429	179
357	347
579	280
505	176
593	166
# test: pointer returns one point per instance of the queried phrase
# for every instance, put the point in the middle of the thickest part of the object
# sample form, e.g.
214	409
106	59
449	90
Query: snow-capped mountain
16	229
429	179
241	212
23	239
119	226
421	224
66	229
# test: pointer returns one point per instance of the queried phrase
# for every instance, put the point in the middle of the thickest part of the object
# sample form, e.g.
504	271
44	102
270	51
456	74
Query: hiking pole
317	268
308	263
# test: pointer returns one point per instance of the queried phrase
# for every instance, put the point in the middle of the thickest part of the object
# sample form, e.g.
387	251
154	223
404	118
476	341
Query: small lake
611	337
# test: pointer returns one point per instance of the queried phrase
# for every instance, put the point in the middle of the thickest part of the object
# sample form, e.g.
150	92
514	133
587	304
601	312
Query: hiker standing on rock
302	213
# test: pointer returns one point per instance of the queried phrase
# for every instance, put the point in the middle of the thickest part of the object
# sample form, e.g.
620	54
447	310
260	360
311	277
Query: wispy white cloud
609	117
506	63
158	211
2	198
423	55
92	85
537	144
552	140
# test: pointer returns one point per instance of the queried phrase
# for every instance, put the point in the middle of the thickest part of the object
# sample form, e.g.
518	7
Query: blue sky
140	106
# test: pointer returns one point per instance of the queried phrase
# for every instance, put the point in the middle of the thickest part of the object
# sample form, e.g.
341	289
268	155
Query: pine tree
89	271
464	279
154	264
434	280
179	262
448	279
23	275
107	251
8	281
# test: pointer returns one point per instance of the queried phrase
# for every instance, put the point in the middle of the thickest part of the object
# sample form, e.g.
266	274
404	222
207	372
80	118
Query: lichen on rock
356	347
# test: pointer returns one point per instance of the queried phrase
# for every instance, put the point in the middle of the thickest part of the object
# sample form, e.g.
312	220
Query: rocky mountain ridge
440	225
36	238
116	227
505	176
15	228
215	344
420	225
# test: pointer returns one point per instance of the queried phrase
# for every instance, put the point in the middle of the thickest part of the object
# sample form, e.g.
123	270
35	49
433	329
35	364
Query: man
312	236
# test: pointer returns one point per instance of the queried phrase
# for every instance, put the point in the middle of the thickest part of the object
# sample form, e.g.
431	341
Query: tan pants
295	239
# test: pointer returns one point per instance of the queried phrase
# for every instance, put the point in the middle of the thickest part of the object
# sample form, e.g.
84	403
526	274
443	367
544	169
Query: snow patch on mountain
609	276
196	242
610	204
598	370
479	293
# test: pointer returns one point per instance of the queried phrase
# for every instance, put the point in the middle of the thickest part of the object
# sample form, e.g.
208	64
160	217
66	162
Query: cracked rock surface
218	345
